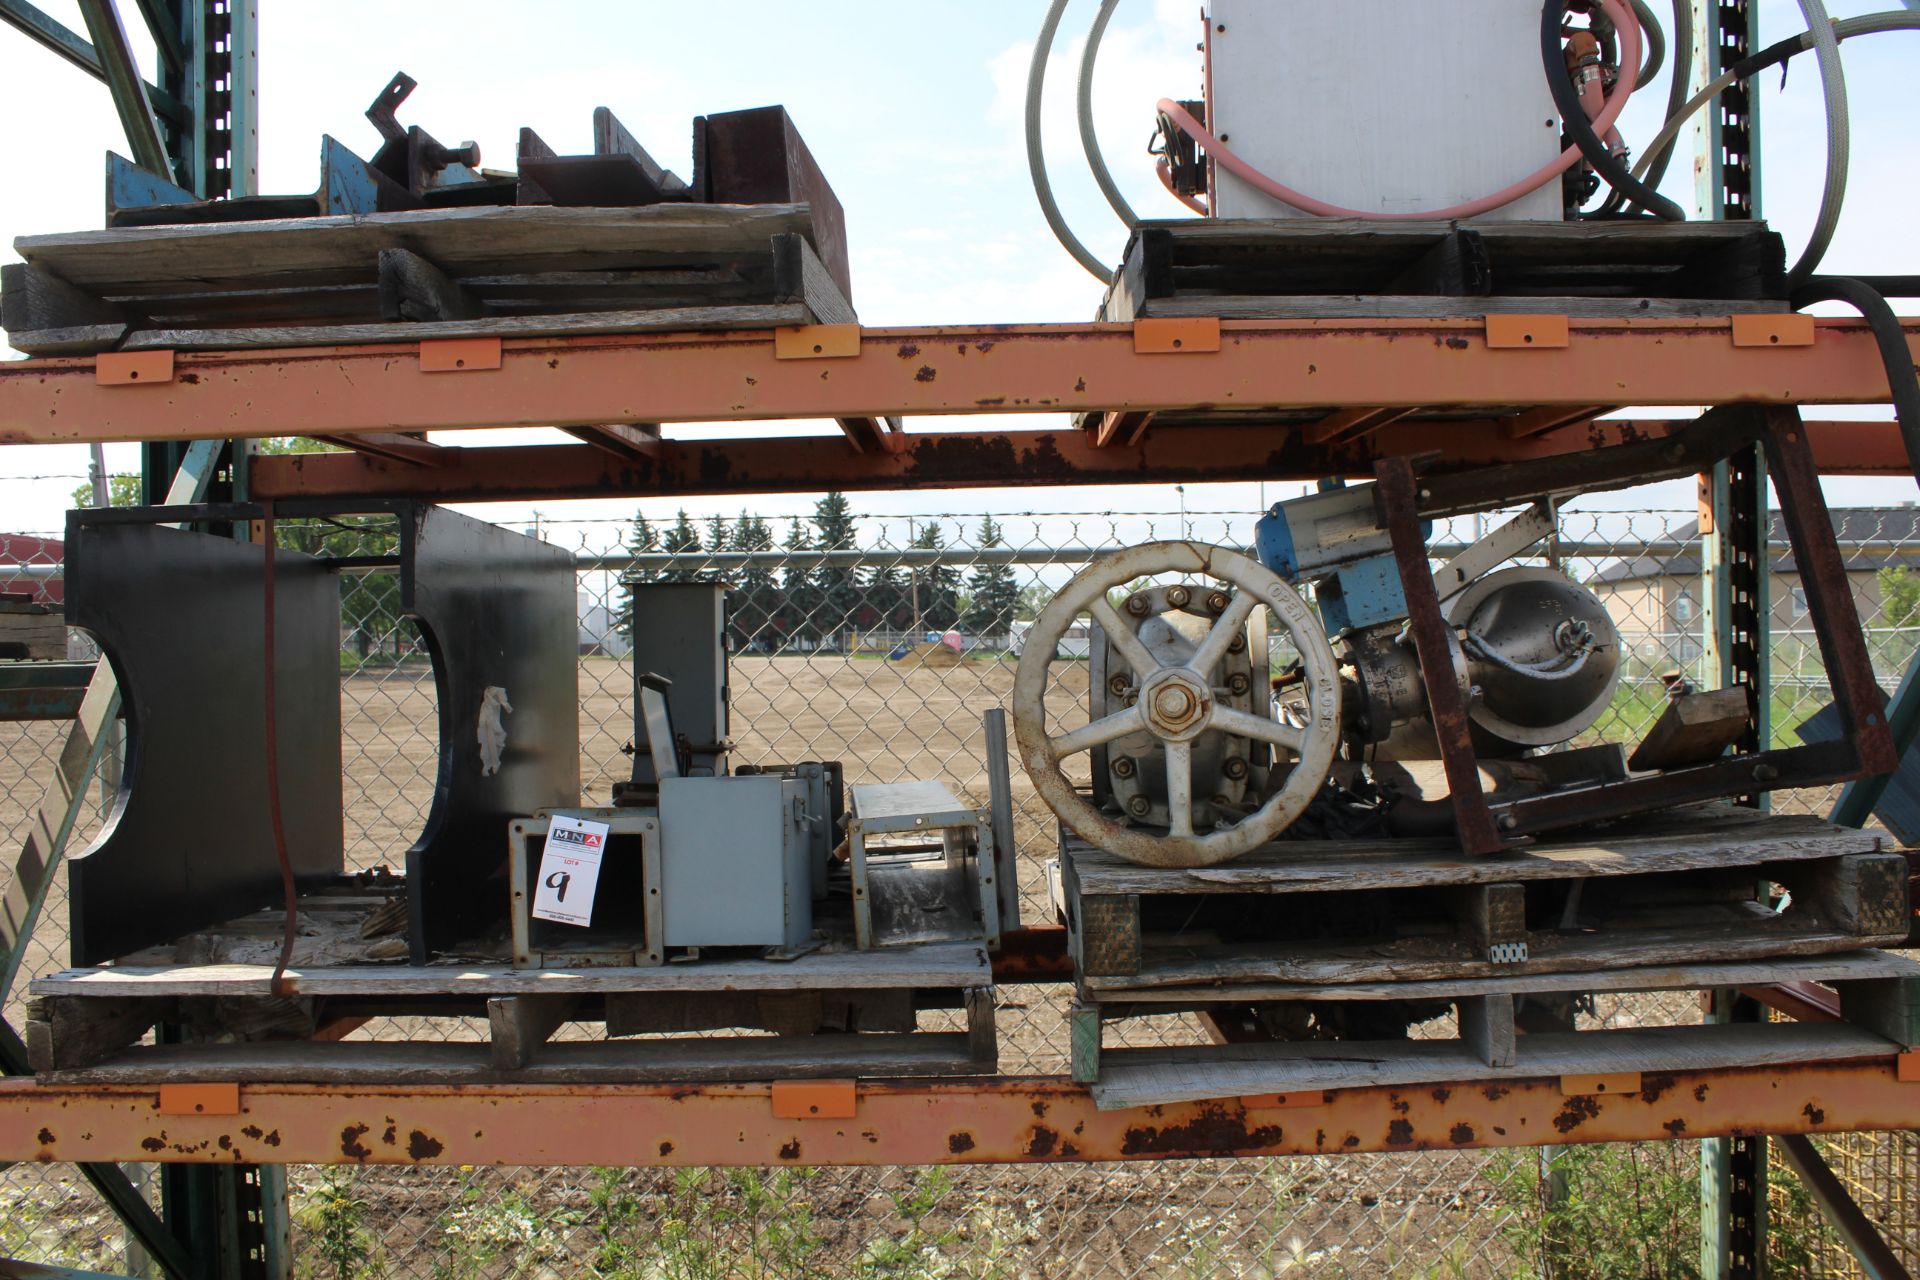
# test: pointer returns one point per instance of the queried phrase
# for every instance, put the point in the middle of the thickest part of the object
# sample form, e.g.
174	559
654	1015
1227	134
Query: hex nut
1177	597
1139	806
1123	767
1139	606
1235	768
1217	602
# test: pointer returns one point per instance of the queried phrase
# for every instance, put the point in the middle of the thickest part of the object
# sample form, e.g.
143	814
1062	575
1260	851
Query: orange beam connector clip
459	355
1175	336
1906	1067
200	1099
133	368
814	1099
1773	330
816	342
1523	333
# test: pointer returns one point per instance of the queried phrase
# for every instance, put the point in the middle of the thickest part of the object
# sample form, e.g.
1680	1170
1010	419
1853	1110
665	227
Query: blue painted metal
1895	797
131	187
1362	594
347	183
1273	542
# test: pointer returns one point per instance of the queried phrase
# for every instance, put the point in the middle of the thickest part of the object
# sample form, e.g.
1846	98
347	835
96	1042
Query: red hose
1629	29
278	984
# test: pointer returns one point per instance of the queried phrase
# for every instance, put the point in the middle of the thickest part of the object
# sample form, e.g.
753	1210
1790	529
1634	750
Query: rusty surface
1008	1120
1034	954
958	460
953	370
1436	646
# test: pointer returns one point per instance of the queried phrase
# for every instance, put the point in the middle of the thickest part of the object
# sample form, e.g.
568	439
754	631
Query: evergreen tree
682	540
936	587
994	589
795	614
756	598
837	592
719	538
641	540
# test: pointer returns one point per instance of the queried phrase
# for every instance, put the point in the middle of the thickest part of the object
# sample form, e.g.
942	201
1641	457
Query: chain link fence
880	642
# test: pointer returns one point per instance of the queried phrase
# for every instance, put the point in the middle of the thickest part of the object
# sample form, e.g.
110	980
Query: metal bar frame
1864	748
740	376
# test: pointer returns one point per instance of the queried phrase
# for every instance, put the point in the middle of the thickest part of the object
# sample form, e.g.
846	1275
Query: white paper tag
569	871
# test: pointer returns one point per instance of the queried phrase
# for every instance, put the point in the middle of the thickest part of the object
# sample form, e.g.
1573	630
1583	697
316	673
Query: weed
335	1216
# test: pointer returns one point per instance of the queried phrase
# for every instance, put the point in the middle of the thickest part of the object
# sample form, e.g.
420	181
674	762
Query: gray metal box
735	868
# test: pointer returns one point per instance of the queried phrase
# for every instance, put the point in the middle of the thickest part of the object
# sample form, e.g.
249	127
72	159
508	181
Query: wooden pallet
431	274
1506	1028
1337	269
1657	891
833	1014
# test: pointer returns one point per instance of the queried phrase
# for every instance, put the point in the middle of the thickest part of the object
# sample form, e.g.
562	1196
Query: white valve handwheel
1176	704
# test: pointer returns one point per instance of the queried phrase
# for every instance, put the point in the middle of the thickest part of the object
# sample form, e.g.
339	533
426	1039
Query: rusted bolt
1508	822
1237	643
1123	767
1235	768
1119	685
1765	773
1139	606
1173	704
1238	683
1139	806
1177	597
1217	601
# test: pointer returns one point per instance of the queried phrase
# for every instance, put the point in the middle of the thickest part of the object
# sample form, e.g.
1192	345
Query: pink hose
1629	30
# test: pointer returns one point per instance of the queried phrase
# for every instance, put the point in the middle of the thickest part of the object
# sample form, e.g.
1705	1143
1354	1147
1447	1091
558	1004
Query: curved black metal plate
189	843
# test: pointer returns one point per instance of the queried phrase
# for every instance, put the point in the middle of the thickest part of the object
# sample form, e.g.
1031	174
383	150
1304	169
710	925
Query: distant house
600	630
32	568
1655	598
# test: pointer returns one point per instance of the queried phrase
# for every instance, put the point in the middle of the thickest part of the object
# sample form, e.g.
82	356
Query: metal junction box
736	865
1380	105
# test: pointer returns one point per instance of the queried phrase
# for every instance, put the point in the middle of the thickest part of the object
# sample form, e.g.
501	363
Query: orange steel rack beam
741	376
1001	1120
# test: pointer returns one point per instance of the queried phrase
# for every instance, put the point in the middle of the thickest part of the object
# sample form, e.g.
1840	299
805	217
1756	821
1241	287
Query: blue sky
913	110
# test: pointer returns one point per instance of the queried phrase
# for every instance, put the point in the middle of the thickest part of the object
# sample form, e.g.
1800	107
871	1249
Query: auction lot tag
569	870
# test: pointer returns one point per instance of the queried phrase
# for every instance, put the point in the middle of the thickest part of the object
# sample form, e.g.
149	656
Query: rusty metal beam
622	440
1068	368
1553	416
961	460
1004	1120
1120	428
391	446
1351	424
873	435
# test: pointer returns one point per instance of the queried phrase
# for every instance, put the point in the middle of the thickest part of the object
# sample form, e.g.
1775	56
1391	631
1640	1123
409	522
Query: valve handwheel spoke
1177	702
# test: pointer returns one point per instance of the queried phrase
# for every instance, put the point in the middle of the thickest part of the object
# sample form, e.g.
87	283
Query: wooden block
1083	1028
1494	919
44	315
32	632
64	1035
1110	935
800	276
983	1041
1694	729
1864	894
1487	1028
1885	1006
758	157
411	288
1456	264
518	1025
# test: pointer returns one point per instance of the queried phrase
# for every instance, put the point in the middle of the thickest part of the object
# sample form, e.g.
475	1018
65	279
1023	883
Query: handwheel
1176	704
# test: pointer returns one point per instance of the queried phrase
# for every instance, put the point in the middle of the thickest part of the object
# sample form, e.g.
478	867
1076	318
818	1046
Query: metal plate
189	842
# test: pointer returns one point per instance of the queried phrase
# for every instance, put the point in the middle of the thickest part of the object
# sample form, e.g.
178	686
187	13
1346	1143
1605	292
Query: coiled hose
1903	380
1566	99
1089	138
1036	153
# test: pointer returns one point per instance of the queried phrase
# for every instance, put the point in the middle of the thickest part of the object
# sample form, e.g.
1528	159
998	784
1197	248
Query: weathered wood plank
1150	1077
666	319
45	315
460	241
703	1058
62	1034
1838	966
1402	306
1725	838
1493	917
1693	729
800	276
935	965
1861	892
32	631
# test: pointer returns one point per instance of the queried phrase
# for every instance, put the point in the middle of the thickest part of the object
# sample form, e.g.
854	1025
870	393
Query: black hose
1903	380
1567	99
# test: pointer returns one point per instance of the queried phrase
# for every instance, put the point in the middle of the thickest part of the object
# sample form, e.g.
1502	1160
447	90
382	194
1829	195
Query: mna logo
581	839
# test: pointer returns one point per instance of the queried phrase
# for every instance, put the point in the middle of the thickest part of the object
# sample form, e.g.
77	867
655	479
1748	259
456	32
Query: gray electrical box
680	632
735	862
